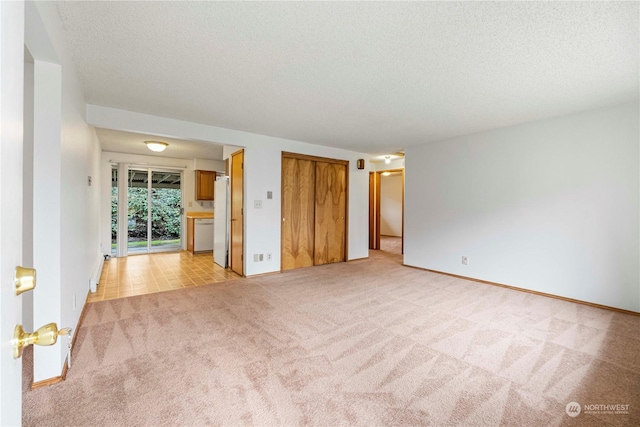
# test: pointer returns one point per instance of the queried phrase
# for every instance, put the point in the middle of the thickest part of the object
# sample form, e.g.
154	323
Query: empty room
320	213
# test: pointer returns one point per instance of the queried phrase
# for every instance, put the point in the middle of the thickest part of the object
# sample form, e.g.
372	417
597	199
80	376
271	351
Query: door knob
24	280
46	335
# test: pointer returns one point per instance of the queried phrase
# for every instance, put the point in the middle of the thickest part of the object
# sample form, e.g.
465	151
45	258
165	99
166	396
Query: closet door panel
298	205
330	212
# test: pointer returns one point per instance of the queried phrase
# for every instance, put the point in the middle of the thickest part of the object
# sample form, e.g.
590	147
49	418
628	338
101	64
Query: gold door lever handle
46	335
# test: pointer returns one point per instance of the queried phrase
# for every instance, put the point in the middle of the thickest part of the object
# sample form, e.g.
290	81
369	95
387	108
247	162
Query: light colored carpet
366	343
391	244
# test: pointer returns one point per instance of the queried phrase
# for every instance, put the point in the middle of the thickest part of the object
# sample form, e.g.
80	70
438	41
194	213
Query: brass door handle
24	280
46	335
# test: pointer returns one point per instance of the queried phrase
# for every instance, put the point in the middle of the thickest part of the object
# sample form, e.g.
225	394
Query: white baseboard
95	278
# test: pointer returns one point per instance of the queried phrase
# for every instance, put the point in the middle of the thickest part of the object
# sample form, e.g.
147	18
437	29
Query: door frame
299	156
375	178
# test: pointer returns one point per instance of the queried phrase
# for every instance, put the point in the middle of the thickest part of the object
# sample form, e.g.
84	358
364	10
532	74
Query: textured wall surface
551	206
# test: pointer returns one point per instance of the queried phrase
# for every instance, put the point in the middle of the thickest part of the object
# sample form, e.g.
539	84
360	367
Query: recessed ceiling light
156	146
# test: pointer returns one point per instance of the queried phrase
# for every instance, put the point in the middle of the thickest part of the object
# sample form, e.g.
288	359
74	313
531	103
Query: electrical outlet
465	260
257	204
268	257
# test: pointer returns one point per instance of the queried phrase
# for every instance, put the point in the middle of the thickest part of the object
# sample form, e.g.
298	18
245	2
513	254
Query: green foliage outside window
165	213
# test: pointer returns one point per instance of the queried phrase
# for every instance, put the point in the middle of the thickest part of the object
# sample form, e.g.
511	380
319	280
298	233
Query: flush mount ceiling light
386	173
156	146
386	158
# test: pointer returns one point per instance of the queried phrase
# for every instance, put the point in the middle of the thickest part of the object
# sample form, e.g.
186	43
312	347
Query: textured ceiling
133	143
372	77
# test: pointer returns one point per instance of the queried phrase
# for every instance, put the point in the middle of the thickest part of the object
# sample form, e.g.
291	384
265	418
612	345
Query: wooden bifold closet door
298	205
314	207
331	180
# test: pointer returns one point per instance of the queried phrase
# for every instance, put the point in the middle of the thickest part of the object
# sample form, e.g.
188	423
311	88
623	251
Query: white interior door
11	119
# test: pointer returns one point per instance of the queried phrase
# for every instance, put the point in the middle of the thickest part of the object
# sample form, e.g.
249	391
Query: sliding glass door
166	204
114	210
154	200
138	208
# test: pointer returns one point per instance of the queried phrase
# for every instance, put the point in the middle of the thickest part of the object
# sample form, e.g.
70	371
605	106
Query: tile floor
146	274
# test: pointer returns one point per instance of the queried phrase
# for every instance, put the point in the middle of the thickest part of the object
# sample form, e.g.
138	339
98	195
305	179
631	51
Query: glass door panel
165	210
138	198
114	210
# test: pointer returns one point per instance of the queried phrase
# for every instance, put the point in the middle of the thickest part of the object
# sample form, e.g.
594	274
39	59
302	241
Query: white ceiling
373	77
133	143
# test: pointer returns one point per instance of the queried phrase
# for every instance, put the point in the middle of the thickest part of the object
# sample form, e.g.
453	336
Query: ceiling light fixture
156	146
386	173
387	159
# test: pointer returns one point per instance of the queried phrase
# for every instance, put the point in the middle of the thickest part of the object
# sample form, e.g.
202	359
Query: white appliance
203	235
222	223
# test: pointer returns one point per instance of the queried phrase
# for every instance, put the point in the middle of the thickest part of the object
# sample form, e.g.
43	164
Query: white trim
95	278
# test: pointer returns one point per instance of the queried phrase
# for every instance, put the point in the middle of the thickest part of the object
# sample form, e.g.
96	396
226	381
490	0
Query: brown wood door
372	211
330	210
237	213
298	206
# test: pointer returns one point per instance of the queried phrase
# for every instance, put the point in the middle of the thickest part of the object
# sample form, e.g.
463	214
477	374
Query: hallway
391	244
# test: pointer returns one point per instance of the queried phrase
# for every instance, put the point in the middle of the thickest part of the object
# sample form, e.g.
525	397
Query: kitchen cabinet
204	184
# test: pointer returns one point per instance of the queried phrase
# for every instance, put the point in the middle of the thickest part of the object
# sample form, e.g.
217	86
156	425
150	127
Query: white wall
187	166
262	173
391	205
550	206
73	214
382	166
208	165
47	209
263	167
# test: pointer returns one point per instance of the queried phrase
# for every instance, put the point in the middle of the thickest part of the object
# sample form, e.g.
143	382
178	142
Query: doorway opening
386	211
